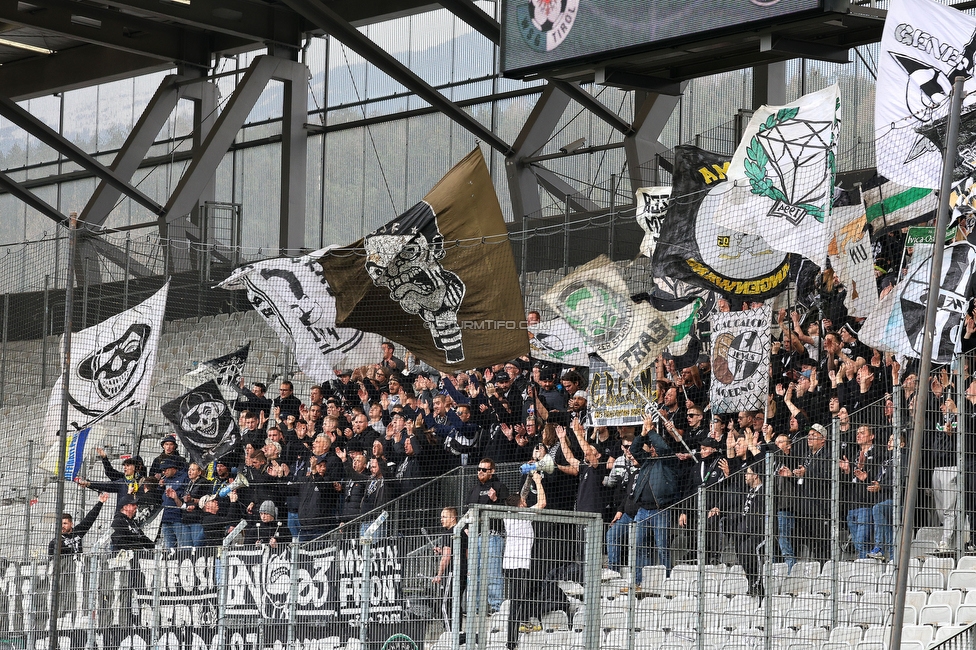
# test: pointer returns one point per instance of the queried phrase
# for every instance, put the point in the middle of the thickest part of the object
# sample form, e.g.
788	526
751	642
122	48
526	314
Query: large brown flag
439	279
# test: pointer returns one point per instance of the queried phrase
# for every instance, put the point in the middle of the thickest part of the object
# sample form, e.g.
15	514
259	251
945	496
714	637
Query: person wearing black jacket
269	529
318	496
747	517
816	471
126	533
72	535
128	481
188	500
286	403
355	487
705	474
859	473
219	517
491	491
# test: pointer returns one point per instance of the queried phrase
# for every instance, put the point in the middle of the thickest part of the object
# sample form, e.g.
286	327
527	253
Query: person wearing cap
816	470
168	443
548	391
219	516
505	402
128	481
126	533
576	405
344	389
268	529
514	370
171	484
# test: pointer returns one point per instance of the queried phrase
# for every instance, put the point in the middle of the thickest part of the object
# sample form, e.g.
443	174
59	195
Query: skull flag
225	370
740	360
291	294
924	45
111	366
204	423
439	279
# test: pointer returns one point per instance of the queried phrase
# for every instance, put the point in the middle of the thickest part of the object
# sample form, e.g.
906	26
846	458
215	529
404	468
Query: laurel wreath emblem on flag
783	145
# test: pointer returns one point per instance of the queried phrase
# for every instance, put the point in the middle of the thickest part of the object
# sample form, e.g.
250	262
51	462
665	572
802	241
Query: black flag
226	370
204	422
693	247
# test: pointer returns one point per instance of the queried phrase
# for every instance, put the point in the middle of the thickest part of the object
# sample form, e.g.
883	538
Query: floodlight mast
925	367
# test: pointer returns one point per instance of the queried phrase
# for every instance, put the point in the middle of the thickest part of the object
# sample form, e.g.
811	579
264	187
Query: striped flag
74	454
888	205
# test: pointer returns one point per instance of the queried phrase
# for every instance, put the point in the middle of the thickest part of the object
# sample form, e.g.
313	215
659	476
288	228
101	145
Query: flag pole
52	636
925	367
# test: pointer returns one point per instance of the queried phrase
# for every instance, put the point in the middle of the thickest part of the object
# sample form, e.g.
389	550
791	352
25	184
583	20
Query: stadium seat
836	645
911	614
555	620
646	618
615	639
919	633
928	581
935	615
966	614
912	645
848	634
735	585
917	599
867	616
870	645
649	640
652	578
946	632
963	579
951	598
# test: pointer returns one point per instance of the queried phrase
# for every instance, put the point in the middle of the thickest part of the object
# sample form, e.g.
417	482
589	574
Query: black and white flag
226	371
111	366
924	45
203	421
652	205
294	298
740	360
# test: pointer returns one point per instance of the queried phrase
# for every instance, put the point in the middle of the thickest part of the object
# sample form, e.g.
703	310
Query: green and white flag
782	175
888	205
596	302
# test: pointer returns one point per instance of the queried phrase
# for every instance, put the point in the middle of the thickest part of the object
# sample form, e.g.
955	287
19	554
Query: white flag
111	366
595	301
293	297
852	259
782	175
652	205
556	341
923	46
740	360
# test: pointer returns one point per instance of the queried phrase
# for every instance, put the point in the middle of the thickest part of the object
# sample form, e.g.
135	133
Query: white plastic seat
951	598
946	632
920	633
652	578
649	640
911	614
966	614
966	562
928	581
867	616
964	579
935	615
846	634
555	620
917	599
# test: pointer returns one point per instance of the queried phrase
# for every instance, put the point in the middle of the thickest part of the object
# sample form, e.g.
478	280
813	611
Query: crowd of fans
307	466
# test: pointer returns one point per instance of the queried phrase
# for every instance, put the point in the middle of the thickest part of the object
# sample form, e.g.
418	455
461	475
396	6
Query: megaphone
239	482
545	465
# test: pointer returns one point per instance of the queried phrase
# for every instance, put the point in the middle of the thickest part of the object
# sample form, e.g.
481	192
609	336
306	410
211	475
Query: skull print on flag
111	366
203	421
439	279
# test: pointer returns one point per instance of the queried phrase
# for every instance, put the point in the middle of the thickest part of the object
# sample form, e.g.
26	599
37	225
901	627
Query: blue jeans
656	523
492	570
293	526
174	534
884	532
617	542
195	535
786	523
859	525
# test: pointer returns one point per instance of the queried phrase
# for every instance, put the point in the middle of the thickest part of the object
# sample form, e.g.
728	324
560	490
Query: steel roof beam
325	18
18	116
112	29
470	13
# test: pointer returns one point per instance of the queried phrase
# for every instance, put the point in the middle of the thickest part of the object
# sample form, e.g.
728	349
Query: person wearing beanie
168	443
270	529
